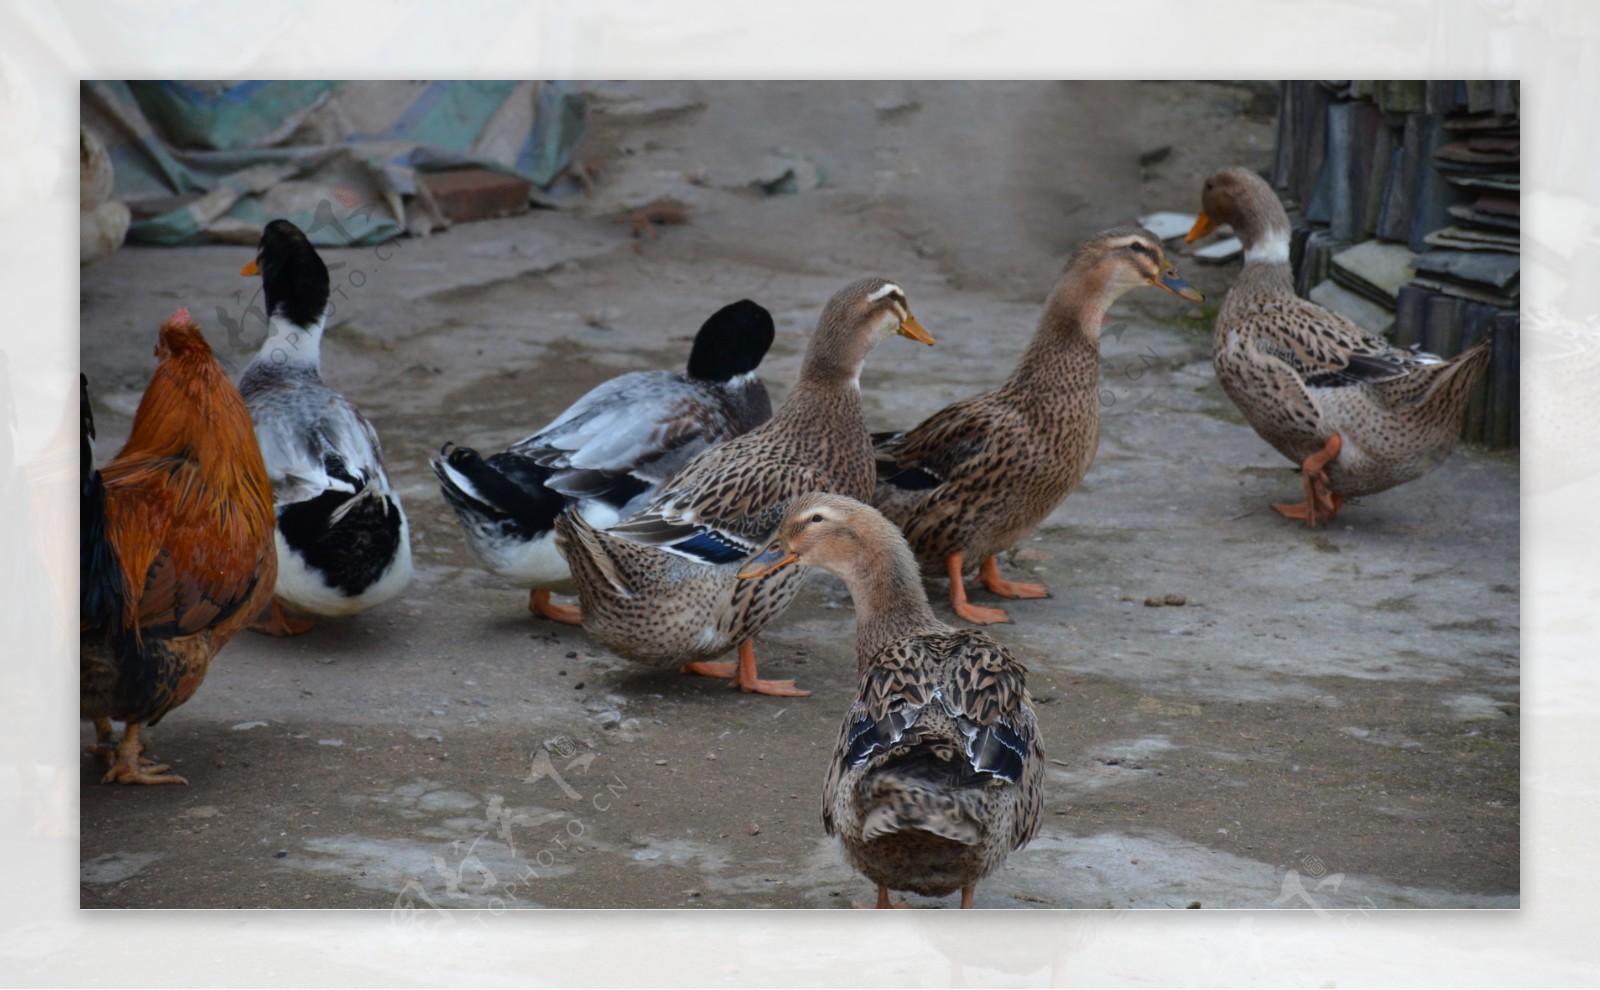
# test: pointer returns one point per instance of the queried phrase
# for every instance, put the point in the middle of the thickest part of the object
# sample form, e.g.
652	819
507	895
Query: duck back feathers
342	533
1300	373
608	452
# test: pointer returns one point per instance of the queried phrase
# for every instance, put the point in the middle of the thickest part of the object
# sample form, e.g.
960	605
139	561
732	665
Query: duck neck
290	350
836	353
831	408
826	402
890	602
1064	355
1262	227
1264	232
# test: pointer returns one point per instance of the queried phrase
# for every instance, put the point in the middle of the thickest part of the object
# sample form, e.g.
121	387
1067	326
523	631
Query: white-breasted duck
662	588
606	455
1358	414
343	541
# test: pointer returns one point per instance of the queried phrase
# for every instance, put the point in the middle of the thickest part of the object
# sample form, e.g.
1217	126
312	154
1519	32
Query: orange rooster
175	548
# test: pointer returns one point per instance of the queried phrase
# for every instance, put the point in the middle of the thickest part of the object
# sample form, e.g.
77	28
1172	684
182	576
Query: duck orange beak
251	269
1203	225
912	329
773	558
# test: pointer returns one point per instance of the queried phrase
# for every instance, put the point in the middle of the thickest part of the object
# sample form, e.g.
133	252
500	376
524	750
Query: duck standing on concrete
938	772
977	476
662	587
1357	414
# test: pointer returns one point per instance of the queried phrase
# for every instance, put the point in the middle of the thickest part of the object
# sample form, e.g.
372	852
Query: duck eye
1208	187
817	517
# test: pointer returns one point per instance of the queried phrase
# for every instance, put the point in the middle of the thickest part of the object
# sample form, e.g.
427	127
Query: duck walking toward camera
938	772
343	542
1358	414
662	588
606	455
977	476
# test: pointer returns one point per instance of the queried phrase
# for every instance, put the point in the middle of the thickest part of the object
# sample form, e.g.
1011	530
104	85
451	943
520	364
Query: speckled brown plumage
660	588
977	476
938	771
1301	374
916	812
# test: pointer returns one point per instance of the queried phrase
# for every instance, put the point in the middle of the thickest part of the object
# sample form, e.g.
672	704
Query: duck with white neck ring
662	587
342	537
1358	414
938	773
977	476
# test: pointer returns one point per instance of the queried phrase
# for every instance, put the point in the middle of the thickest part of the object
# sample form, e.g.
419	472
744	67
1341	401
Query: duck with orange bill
1357	414
938	772
977	476
343	542
662	587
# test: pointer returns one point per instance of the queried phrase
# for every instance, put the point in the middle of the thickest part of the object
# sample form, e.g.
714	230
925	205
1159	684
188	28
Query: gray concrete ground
1330	720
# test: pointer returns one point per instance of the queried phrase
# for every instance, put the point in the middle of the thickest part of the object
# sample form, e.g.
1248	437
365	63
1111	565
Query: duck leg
1319	503
989	574
883	900
130	766
966	895
542	607
978	614
280	624
744	674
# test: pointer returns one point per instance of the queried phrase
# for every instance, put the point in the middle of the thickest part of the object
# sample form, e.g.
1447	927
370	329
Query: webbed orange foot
542	607
744	674
280	624
1320	503
989	574
747	681
711	668
977	614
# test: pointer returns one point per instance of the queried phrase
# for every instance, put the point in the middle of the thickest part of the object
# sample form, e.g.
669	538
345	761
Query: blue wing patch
712	547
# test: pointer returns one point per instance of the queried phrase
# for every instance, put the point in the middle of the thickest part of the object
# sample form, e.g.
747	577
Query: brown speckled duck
979	475
1358	414
938	772
661	588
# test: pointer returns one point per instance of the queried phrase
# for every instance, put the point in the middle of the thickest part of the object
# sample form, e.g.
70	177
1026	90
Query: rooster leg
989	574
280	624
132	768
978	614
542	607
1319	502
744	674
966	896
105	746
